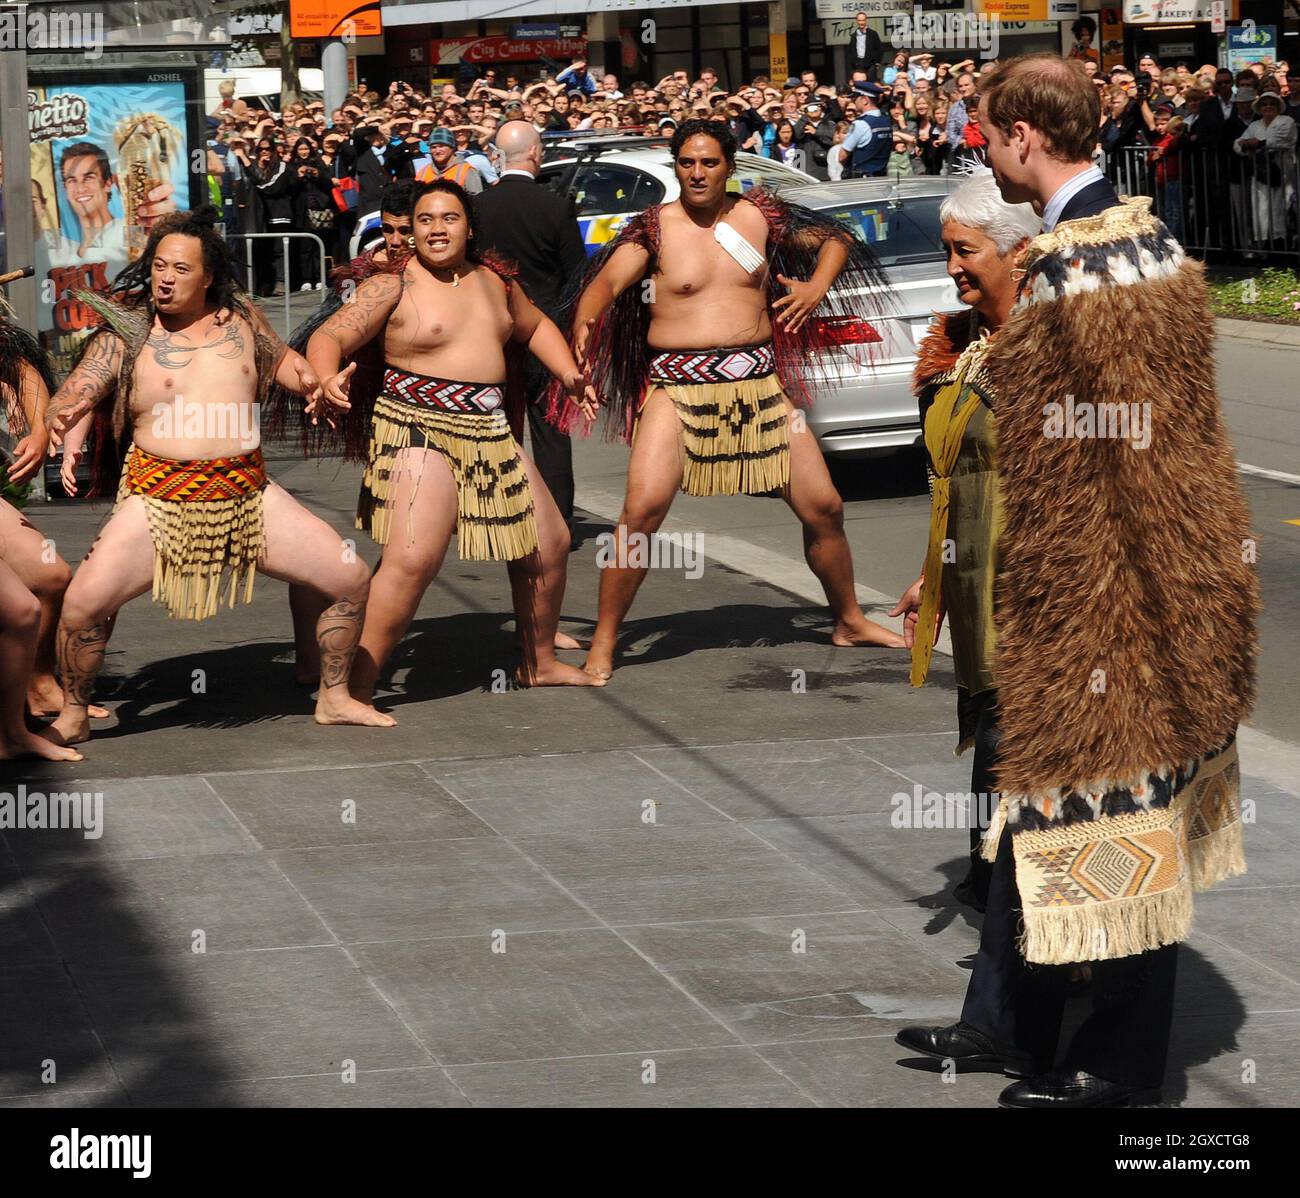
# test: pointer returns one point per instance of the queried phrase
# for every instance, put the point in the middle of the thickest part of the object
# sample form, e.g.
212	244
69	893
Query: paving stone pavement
682	890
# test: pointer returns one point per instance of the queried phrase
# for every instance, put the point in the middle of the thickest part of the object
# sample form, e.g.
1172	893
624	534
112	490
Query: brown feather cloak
1125	601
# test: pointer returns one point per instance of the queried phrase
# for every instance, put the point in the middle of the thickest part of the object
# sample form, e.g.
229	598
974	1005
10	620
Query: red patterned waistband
195	481
727	365
442	395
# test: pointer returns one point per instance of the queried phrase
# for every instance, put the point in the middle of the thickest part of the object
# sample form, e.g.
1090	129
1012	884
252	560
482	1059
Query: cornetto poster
99	152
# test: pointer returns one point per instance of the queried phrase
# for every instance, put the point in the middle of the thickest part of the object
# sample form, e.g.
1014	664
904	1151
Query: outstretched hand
581	339
336	390
801	302
68	470
29	453
582	394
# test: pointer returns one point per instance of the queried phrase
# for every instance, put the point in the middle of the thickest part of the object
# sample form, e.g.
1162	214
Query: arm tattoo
94	377
175	350
81	657
361	317
337	633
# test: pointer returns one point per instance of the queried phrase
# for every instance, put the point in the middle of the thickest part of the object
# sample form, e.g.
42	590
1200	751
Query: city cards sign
447	51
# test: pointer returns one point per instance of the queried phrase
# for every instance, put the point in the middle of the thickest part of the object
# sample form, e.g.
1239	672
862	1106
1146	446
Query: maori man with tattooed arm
190	361
442	458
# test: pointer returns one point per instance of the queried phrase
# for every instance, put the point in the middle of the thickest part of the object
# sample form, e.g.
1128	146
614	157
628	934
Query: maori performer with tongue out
699	330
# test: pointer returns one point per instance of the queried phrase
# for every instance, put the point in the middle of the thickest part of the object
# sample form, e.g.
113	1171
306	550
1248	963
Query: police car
612	178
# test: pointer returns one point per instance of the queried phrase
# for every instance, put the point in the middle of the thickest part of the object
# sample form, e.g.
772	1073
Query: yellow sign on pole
778	58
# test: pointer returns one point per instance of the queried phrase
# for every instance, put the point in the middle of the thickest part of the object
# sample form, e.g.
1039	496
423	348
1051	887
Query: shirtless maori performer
442	458
704	373
33	577
190	361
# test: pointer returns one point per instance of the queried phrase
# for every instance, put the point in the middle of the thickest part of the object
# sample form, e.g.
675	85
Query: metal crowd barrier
285	238
1223	203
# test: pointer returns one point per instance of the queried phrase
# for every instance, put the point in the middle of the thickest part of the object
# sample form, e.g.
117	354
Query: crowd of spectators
308	170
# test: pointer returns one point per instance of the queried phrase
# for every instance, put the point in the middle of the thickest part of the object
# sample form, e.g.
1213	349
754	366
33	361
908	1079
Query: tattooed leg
81	657
303	549
119	570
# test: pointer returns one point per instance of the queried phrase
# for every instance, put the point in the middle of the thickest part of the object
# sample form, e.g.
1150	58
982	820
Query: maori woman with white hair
985	238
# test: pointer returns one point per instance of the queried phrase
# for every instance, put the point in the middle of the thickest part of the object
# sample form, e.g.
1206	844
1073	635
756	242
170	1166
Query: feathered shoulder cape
351	435
617	349
945	340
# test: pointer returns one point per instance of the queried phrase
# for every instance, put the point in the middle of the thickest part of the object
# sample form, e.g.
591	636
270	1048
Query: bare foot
45	699
867	633
28	744
562	641
71	728
44	695
556	673
347	710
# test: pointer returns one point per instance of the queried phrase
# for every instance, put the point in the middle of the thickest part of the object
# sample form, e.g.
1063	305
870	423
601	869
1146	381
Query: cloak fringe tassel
1105	931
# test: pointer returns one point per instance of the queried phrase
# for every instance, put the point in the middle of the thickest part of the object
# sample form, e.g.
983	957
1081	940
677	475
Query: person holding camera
310	188
1121	129
814	135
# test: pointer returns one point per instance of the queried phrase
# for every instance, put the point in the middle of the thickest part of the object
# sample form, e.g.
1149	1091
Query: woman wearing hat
1269	143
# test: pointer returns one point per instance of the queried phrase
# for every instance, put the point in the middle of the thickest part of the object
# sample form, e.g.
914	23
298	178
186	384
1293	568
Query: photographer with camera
1123	128
814	135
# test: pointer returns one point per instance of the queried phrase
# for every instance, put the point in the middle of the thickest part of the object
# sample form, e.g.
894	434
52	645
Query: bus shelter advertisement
99	152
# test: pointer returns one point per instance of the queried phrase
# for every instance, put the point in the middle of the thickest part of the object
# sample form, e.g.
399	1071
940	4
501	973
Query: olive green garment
974	519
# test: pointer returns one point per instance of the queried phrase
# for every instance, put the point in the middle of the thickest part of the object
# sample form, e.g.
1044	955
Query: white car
613	178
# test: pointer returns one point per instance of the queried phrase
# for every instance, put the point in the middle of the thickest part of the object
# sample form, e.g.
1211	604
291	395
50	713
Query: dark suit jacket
536	229
1212	130
868	62
372	178
1092	200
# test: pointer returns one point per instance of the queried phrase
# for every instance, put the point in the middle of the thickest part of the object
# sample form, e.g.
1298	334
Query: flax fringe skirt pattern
205	520
734	418
495	520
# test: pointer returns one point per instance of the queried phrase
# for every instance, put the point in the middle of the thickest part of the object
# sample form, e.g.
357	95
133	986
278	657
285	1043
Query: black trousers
552	449
1125	1038
982	710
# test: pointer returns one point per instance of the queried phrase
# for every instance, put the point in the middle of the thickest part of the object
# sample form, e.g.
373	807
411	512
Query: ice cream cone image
147	145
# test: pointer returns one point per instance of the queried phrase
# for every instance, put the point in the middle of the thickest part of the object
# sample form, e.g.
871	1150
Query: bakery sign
447	51
1169	12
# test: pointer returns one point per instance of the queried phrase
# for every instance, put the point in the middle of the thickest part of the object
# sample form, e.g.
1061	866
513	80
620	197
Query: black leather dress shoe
1070	1088
968	1047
